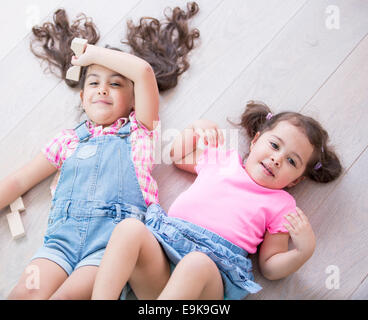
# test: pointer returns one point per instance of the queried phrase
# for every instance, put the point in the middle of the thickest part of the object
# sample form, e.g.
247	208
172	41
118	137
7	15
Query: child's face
279	157
107	95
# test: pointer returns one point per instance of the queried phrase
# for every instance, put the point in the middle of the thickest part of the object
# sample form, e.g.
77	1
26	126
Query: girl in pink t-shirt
225	214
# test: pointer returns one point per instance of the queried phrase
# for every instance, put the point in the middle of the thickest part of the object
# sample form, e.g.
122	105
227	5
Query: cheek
87	95
258	150
125	98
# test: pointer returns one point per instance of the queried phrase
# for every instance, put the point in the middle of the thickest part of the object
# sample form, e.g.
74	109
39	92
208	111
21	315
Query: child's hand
86	58
300	232
212	135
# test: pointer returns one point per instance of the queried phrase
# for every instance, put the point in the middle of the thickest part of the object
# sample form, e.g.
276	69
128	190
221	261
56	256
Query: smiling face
278	157
106	96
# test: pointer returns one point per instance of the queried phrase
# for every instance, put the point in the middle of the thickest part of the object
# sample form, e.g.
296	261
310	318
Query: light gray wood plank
362	292
18	19
231	38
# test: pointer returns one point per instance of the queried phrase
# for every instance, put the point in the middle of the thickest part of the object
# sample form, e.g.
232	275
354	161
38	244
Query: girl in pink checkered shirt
105	163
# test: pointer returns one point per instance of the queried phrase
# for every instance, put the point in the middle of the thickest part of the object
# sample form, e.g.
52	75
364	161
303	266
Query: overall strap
124	131
82	132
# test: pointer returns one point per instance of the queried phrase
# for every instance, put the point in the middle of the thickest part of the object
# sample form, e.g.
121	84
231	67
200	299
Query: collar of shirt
98	130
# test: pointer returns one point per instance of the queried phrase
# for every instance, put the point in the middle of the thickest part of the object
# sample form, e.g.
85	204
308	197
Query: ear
254	140
295	182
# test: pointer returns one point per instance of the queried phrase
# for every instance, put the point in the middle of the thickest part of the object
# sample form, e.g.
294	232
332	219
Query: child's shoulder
63	137
67	134
136	125
286	200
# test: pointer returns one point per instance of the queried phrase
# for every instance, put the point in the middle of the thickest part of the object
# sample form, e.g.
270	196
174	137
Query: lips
103	101
267	169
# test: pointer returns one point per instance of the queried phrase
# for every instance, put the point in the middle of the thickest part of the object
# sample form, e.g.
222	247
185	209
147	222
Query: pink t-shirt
225	200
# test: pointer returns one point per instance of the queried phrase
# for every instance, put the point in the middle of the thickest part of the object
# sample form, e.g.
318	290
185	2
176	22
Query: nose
276	160
102	91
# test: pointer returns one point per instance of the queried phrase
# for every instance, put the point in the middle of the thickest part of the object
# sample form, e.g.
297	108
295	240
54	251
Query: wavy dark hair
254	119
163	44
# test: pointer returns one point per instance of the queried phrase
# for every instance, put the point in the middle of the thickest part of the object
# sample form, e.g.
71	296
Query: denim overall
98	187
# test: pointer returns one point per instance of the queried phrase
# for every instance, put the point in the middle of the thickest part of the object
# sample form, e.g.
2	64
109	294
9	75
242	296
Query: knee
200	262
129	227
21	292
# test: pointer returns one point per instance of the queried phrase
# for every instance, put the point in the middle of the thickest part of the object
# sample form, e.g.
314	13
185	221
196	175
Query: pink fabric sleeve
143	145
276	223
59	147
136	125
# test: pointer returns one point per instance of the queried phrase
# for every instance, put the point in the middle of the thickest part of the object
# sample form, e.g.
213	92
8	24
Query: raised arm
19	182
134	68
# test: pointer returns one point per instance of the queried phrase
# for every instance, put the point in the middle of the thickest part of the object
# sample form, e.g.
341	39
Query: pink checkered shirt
142	140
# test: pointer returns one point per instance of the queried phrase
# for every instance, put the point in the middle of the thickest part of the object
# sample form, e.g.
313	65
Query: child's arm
136	69
275	260
19	182
184	152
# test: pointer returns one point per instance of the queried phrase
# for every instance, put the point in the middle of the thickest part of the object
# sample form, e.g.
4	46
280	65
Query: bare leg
132	254
195	277
78	286
39	281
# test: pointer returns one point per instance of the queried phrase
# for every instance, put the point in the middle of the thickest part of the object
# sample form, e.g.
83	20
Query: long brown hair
163	44
324	165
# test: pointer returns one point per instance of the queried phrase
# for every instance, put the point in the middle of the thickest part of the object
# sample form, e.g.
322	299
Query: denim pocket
87	151
55	221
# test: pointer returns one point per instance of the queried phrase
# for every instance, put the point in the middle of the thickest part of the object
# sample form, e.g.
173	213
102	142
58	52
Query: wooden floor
287	53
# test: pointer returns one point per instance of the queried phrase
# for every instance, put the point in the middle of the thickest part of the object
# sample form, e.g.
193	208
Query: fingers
296	220
74	59
83	56
76	62
211	137
301	215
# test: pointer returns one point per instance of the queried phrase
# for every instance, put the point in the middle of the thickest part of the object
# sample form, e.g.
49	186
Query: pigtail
254	117
52	41
327	169
165	44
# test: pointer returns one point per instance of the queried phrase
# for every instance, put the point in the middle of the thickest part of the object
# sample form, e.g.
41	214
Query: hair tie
269	116
318	166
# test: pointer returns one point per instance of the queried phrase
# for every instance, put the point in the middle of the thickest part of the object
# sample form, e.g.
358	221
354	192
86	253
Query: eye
292	162
94	83
115	84
274	145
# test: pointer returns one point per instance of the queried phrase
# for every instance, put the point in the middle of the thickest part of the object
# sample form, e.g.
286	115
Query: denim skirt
179	237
